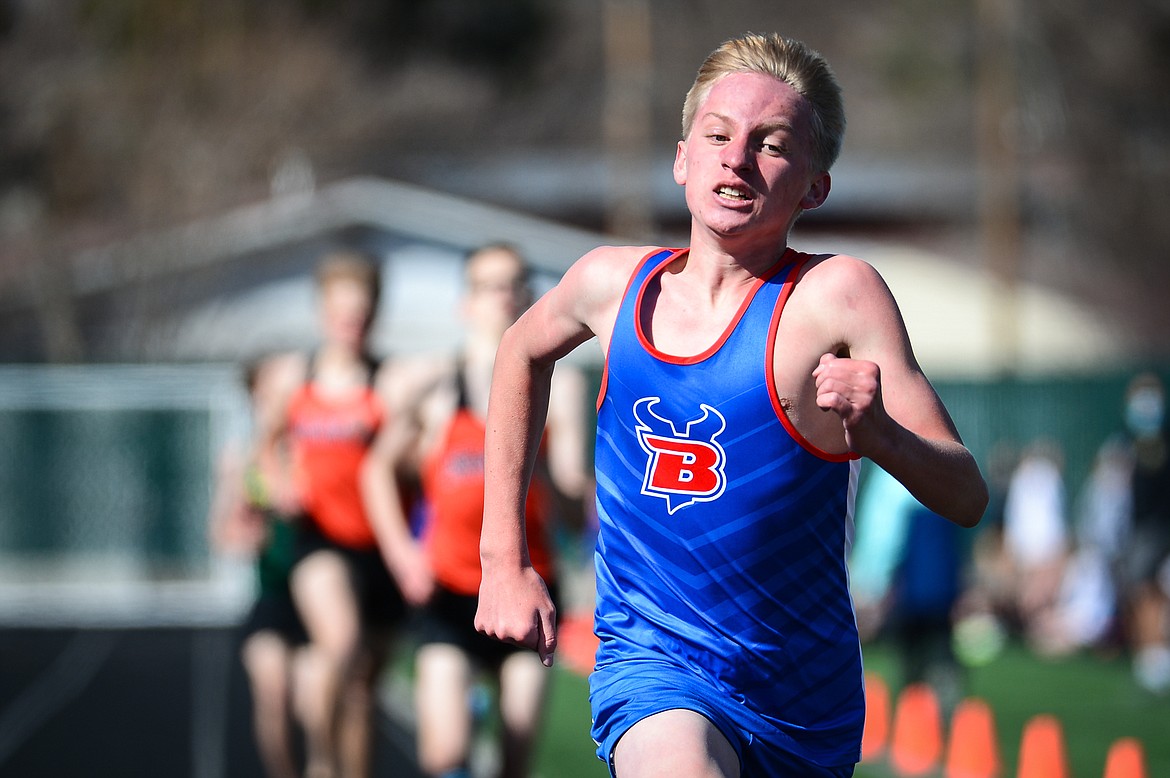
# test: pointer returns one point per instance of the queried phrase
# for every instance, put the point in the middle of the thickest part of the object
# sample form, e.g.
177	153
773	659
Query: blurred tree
1108	66
119	116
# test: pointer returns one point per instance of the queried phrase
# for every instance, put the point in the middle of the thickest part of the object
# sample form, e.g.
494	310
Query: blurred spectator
987	601
1106	501
253	512
905	573
1035	536
1085	614
1146	570
881	519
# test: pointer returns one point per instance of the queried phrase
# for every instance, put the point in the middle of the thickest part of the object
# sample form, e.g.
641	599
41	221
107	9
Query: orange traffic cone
1042	753
576	643
877	718
916	745
973	750
1126	759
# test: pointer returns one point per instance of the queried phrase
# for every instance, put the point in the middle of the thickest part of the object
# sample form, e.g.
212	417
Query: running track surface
140	702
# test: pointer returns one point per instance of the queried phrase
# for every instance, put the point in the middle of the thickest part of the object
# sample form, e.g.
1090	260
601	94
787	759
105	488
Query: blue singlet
721	578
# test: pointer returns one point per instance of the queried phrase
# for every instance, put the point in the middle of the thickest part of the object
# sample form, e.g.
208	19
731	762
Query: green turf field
566	750
1094	699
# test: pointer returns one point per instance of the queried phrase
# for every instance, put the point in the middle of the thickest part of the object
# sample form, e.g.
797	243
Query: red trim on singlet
674	253
770	371
714	347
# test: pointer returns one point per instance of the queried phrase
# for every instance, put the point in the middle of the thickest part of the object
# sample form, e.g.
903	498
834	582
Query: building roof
239	284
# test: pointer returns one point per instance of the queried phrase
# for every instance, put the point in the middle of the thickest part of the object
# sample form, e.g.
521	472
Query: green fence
105	482
128	482
115	463
1077	413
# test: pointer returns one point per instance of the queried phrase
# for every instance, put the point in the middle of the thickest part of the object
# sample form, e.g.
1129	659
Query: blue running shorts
624	693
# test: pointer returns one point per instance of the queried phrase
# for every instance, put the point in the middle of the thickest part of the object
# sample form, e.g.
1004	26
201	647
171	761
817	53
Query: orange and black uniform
330	440
453	486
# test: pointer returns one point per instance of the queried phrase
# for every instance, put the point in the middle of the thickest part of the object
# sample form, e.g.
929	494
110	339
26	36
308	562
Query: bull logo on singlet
684	462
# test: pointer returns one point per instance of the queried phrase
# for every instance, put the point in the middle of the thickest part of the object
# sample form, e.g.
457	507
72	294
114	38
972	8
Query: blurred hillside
1033	138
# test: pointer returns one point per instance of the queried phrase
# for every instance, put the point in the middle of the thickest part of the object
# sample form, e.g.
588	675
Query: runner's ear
818	192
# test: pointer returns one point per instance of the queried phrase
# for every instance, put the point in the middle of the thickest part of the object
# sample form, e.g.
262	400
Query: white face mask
1145	412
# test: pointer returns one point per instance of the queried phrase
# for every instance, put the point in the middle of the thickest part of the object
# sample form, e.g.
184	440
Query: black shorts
274	611
449	618
380	602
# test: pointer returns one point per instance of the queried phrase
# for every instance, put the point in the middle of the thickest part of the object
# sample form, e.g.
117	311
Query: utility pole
626	120
997	143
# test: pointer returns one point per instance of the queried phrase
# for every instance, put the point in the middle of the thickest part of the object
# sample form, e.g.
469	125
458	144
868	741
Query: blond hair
350	265
790	61
498	247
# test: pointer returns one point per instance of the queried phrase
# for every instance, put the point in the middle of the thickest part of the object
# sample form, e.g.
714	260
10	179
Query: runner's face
347	310
497	291
747	163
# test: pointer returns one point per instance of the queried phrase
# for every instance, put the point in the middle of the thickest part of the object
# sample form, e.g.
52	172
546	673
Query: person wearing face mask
1146	567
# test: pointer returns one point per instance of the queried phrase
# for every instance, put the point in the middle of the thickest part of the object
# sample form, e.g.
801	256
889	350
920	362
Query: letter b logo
681	468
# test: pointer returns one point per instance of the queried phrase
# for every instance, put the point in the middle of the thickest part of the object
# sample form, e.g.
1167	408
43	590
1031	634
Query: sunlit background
171	170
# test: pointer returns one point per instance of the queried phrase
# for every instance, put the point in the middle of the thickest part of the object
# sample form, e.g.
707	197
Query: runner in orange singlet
357	566
443	402
452	480
331	435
